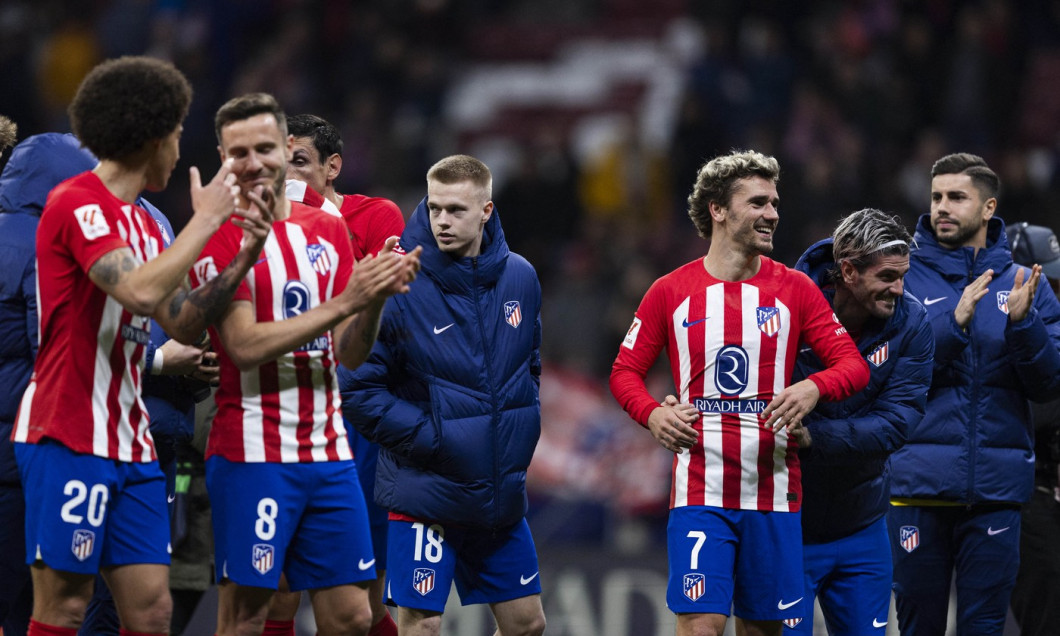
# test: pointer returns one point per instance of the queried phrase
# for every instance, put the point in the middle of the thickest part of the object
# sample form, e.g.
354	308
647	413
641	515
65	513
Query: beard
957	238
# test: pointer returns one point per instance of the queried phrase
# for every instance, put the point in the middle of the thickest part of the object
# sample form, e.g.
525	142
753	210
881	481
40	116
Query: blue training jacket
845	481
36	166
450	391
975	444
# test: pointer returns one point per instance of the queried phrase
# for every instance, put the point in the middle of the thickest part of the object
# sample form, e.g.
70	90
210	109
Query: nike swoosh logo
523	580
805	349
170	498
686	324
438	331
876	623
932	301
364	566
992	532
783	606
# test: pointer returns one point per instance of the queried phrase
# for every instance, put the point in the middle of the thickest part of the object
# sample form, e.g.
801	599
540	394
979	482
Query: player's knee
355	619
530	625
153	615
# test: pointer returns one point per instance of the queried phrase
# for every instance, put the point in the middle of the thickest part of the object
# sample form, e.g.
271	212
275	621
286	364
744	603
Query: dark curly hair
124	103
325	136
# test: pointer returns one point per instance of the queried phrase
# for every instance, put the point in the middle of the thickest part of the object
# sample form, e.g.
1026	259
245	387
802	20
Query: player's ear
847	271
334	167
487	211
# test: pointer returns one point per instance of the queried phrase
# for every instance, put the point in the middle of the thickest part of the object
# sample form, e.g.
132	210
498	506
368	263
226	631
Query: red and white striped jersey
371	220
732	347
289	409
85	389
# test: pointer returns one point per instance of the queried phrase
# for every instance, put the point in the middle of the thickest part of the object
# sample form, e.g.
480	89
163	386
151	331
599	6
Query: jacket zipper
493	392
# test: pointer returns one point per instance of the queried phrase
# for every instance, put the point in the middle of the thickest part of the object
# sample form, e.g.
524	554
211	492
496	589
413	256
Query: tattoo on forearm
210	300
112	266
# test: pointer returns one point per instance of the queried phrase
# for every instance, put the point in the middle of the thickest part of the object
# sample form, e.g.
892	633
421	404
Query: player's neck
282	210
123	181
851	314
334	197
726	262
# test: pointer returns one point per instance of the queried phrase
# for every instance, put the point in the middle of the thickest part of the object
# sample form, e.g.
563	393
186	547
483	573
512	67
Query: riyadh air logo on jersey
318	256
295	299
423	580
512	314
1002	301
84	541
769	320
694	586
731	368
90	218
909	537
791	622
879	354
262	557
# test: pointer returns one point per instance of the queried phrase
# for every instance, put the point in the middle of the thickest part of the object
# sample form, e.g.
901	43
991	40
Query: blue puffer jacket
36	166
975	444
450	391
845	482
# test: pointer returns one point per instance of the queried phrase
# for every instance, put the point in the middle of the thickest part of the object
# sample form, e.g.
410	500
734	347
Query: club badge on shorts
263	557
423	580
84	541
694	586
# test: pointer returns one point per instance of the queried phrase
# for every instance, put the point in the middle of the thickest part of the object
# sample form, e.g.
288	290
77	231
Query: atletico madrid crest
512	314
263	557
769	320
791	622
1002	301
694	586
318	256
909	537
879	354
423	580
84	541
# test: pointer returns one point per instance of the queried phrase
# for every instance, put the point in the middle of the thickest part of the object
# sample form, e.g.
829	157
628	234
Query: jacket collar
457	274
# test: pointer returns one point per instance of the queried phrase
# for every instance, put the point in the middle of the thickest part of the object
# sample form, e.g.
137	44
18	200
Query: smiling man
450	393
732	323
958	483
844	446
279	470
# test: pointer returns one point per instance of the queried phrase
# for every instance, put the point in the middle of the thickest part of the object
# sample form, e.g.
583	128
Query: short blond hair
460	168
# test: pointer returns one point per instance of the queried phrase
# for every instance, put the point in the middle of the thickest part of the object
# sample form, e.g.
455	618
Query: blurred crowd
856	98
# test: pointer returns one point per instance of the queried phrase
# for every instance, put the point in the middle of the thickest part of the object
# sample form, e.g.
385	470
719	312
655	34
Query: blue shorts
931	543
851	578
744	560
488	566
366	454
306	520
85	512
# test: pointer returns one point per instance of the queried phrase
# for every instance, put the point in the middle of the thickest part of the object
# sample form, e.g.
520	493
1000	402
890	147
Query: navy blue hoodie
844	477
450	391
975	443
